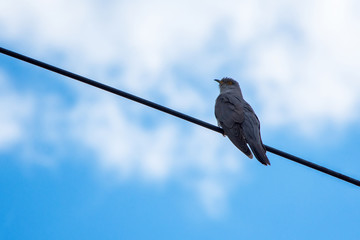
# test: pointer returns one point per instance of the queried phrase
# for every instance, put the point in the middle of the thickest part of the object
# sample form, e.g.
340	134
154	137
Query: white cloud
213	197
123	144
311	81
15	112
302	57
195	157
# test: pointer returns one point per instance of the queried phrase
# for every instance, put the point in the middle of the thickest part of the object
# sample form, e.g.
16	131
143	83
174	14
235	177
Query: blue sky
79	163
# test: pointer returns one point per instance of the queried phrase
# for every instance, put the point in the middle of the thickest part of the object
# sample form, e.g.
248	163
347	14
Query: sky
80	163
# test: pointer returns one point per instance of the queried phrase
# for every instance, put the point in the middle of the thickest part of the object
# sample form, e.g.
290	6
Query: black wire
313	165
170	111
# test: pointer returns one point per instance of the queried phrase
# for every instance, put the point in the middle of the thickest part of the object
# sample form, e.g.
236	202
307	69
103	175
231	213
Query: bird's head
227	84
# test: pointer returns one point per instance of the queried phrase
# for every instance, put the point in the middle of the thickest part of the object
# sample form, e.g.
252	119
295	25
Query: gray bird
238	120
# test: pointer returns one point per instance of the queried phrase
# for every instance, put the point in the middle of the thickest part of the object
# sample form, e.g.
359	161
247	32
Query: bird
238	120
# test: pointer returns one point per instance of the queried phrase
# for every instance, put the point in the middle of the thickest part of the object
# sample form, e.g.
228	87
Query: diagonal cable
171	112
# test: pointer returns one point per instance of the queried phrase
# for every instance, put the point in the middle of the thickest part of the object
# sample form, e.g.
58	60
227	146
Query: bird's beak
217	80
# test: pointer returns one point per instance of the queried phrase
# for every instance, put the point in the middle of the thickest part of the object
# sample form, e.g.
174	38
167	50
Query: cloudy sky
80	163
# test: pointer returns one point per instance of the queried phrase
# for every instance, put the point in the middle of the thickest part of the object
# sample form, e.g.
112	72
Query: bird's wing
230	115
228	110
251	131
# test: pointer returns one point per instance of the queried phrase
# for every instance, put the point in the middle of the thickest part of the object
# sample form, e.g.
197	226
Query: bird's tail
260	153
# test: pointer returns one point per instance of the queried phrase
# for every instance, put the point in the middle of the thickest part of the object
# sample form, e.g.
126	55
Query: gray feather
251	126
239	121
230	118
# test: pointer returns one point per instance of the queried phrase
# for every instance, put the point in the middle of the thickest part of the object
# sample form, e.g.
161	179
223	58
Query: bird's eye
229	83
